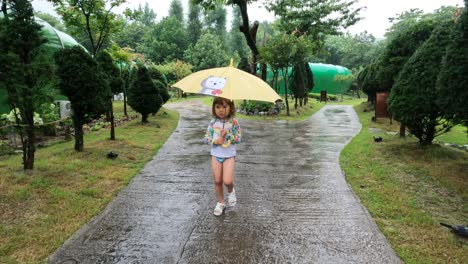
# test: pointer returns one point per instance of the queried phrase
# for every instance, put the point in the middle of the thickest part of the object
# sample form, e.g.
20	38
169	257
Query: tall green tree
166	41
315	17
143	95
215	22
24	70
207	53
249	30
147	15
413	99
194	24
282	52
398	52
176	10
95	17
352	51
87	91
452	81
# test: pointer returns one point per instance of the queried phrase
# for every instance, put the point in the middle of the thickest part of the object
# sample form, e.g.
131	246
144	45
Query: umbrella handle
227	144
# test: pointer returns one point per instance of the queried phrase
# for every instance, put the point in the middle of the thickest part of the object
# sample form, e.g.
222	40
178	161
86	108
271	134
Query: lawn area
41	209
409	189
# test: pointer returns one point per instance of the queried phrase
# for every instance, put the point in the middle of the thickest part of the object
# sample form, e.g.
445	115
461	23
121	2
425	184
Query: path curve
294	205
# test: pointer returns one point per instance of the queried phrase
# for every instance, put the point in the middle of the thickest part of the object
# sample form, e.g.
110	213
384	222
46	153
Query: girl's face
222	110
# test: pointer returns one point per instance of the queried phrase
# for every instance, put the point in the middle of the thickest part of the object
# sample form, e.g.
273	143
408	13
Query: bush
252	106
330	97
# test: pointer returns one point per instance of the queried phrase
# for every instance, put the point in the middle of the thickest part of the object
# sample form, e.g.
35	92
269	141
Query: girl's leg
217	168
228	173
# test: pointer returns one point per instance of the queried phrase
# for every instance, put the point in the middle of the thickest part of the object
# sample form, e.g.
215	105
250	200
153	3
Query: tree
52	20
236	42
215	22
160	81
398	52
177	11
24	70
413	98
131	35
124	58
147	15
402	22
94	17
207	53
279	53
143	95
249	31
352	51
112	75
166	41
452	80
85	85
194	25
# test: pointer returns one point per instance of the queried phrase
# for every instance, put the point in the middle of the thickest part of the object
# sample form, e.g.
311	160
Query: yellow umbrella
228	82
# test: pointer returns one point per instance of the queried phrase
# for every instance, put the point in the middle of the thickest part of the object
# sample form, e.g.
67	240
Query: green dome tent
324	78
56	39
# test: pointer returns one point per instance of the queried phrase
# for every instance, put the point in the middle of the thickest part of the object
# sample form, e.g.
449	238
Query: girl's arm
209	135
236	134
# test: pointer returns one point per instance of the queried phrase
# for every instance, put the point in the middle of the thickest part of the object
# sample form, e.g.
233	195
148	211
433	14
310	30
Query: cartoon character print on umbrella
213	85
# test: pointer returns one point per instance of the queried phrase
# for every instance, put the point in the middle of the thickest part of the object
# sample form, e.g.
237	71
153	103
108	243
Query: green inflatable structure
324	78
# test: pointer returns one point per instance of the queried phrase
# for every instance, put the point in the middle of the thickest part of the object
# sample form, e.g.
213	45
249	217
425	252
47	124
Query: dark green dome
56	39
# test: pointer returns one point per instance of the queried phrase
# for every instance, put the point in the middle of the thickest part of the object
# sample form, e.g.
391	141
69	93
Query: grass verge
409	189
40	210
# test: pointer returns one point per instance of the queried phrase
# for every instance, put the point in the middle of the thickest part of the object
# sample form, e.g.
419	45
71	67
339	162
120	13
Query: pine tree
413	98
85	85
143	96
452	81
24	70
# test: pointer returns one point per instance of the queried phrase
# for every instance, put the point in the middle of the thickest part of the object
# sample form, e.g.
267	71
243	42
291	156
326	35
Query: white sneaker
219	209
231	198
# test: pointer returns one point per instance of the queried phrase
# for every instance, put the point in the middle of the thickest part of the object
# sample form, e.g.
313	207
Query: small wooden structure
323	96
381	106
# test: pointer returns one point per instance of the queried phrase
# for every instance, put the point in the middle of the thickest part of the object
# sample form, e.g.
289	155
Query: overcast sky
375	16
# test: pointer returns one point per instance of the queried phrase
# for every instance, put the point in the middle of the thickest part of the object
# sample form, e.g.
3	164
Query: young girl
222	134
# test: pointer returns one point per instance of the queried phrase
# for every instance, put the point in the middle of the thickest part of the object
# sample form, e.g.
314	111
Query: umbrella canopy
228	82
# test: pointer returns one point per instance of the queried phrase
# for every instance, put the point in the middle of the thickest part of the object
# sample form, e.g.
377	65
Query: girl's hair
222	101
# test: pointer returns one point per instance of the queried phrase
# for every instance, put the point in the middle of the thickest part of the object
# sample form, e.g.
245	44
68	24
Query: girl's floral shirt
213	132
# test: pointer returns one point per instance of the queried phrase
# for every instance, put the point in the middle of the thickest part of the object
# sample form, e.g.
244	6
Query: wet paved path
294	205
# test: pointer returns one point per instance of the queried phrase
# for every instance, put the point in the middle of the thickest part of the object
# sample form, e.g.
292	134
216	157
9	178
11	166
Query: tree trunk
78	124
286	91
30	149
249	33
111	114
263	69
402	130
125	103
144	118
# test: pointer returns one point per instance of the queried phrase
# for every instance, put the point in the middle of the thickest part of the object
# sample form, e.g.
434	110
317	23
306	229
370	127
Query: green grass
457	135
41	209
409	189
